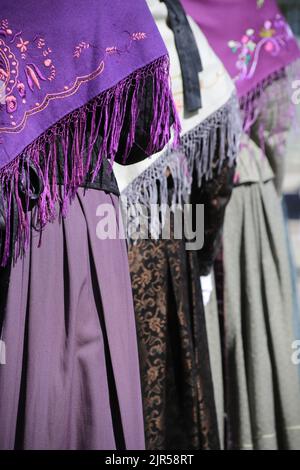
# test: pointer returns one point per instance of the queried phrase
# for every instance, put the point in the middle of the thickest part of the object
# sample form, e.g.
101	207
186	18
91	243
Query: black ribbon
30	184
188	53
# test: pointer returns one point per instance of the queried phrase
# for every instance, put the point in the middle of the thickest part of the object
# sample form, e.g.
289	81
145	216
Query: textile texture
71	379
177	387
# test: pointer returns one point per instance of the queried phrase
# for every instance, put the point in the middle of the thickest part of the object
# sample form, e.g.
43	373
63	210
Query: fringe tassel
272	97
146	200
74	142
203	150
214	141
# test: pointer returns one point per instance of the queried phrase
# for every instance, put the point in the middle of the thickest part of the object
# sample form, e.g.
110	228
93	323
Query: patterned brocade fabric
215	195
178	397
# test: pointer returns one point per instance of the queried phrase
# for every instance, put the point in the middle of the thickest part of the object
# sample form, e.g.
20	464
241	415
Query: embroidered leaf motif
38	71
33	74
41	43
138	36
16	80
111	50
80	48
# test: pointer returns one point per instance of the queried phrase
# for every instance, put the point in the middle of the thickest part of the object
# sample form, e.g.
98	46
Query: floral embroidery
9	69
21	89
22	82
11	103
13	47
272	38
267	31
23	45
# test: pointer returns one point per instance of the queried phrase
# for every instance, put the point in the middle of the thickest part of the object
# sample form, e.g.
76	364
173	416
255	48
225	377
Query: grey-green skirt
261	381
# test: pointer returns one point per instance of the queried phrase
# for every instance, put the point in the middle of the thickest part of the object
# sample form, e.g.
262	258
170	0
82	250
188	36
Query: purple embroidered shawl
60	60
250	36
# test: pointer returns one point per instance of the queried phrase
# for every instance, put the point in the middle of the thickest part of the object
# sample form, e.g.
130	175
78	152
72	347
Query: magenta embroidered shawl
62	60
251	37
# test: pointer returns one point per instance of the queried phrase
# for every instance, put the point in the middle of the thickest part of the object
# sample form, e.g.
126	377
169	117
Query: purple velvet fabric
56	55
251	38
69	329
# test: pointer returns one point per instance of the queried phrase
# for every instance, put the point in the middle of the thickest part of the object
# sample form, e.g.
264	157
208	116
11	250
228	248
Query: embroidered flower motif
11	104
272	37
153	374
21	89
23	45
145	279
16	81
154	324
234	45
267	31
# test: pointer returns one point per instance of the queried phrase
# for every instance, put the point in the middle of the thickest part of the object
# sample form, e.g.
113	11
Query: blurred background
291	10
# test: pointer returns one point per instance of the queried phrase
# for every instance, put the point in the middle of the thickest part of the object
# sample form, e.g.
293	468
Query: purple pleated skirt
71	378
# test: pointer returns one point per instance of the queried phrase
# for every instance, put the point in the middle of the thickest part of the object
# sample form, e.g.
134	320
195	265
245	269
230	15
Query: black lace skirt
178	397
